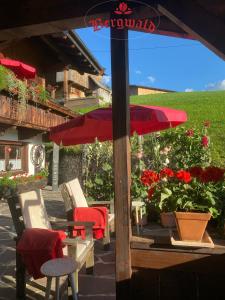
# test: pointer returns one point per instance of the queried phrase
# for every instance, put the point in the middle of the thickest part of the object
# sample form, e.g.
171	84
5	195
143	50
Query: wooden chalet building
66	64
72	75
23	130
146	90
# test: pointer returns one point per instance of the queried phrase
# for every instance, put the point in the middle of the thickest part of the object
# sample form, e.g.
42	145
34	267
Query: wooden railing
32	115
74	77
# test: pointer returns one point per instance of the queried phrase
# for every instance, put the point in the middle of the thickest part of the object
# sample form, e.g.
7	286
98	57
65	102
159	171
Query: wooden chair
74	197
31	213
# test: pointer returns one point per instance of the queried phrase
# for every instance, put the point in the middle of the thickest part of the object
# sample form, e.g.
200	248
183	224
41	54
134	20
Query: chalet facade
22	132
66	64
146	90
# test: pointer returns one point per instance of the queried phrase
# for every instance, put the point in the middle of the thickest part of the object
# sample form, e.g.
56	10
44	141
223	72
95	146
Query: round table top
58	267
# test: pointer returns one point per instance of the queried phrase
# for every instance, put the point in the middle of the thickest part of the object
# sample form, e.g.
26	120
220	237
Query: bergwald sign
123	15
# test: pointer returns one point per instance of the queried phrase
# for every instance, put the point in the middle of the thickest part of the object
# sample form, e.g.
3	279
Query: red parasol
98	124
20	69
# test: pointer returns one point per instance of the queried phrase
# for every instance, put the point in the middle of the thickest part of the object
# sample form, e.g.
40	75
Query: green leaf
99	181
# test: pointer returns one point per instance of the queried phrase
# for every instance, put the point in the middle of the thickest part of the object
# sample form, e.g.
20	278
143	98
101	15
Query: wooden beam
27	133
61	56
37	17
121	154
199	23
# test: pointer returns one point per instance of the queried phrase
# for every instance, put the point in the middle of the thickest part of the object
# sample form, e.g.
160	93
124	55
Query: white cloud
188	90
220	85
106	79
138	72
151	79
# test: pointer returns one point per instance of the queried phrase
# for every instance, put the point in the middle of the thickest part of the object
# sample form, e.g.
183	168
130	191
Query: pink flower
205	141
190	132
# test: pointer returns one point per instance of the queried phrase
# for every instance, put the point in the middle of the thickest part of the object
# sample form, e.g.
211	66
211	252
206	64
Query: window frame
24	157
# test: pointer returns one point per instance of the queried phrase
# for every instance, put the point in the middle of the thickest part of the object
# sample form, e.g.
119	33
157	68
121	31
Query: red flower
205	141
166	172
148	177
190	132
183	176
150	193
206	123
212	174
196	172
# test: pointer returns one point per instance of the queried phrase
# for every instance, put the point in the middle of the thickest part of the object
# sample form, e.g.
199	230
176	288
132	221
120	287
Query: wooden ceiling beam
38	17
27	133
196	21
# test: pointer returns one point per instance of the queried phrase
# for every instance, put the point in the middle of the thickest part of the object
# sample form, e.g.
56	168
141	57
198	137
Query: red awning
20	69
98	124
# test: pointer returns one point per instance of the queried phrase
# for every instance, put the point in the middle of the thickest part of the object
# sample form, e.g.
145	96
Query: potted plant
191	194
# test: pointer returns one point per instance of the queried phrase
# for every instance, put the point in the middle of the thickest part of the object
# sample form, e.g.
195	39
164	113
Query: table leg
48	288
73	286
57	288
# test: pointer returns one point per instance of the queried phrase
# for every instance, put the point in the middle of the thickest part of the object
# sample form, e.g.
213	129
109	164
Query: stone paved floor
100	286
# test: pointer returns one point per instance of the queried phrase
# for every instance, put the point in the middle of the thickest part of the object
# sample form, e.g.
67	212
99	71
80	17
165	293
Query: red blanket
90	214
37	246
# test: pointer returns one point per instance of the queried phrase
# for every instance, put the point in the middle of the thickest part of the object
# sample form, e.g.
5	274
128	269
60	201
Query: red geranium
183	176
212	174
205	141
148	177
150	192
196	171
166	172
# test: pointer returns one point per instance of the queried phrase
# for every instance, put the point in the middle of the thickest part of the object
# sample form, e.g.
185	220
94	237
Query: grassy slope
200	106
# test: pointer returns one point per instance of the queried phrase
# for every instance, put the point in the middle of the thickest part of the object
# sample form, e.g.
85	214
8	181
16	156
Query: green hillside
200	106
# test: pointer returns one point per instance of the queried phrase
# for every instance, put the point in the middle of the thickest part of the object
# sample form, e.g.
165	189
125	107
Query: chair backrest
76	194
33	210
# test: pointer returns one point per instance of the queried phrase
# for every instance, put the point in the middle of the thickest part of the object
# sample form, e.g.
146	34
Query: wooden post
121	154
65	85
55	167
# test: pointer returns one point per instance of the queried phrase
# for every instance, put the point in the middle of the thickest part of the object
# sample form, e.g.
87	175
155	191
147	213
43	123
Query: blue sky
160	61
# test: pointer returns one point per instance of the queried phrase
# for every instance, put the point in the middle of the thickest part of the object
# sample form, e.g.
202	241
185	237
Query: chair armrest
71	241
103	203
73	223
88	227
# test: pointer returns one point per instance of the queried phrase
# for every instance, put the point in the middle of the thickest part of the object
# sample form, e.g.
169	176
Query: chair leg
73	286
106	239
57	294
75	276
48	288
90	262
20	278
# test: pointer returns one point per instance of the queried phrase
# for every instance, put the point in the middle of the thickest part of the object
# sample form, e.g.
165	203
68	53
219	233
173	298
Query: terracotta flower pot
168	219
191	225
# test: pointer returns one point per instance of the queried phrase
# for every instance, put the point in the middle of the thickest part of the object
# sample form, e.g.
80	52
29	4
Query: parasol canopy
20	69
98	124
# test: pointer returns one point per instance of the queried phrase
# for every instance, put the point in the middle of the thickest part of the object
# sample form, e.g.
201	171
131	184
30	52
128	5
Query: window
12	157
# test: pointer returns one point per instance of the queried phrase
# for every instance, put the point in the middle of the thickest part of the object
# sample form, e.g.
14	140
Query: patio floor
100	286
